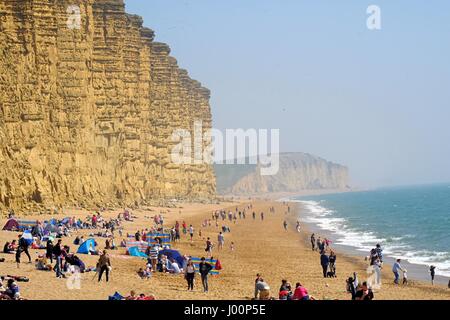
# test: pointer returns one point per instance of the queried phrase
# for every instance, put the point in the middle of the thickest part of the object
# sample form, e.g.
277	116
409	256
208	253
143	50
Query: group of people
286	292
11	291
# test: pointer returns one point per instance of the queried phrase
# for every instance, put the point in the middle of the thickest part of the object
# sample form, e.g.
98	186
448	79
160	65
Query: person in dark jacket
57	252
324	261
49	251
103	266
23	247
204	269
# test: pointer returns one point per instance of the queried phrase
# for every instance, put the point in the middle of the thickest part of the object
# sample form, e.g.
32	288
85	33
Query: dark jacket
324	260
204	268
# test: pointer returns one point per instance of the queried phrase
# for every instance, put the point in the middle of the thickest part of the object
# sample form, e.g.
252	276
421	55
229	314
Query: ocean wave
393	246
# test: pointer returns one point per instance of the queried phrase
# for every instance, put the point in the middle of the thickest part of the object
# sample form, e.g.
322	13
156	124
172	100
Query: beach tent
50	228
28	237
85	247
134	252
141	245
11	225
173	254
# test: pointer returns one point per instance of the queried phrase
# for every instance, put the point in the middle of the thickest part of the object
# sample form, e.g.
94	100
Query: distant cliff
87	113
298	171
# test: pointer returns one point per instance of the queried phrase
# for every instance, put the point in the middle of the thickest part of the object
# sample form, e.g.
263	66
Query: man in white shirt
174	268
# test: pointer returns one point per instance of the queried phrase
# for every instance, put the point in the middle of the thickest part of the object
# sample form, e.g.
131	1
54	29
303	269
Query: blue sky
376	101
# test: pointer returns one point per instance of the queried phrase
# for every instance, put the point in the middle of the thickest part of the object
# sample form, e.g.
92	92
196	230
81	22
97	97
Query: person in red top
300	293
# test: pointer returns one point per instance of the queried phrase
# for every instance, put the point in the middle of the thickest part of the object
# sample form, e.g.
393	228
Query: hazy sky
376	101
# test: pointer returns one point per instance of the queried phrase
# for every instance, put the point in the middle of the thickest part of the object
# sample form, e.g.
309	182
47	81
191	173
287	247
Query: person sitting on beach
42	264
174	267
364	293
8	248
12	290
145	274
300	293
132	296
285	292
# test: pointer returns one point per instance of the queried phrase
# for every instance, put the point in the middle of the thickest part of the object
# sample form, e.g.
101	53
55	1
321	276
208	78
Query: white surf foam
393	247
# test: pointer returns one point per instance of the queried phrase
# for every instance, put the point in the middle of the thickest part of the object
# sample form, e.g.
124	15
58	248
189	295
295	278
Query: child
405	277
232	246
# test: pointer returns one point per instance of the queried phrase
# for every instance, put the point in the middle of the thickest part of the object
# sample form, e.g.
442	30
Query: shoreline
261	246
415	271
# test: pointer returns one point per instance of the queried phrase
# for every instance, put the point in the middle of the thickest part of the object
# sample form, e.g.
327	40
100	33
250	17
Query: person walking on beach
254	215
324	261
297	227
204	268
208	248
220	240
23	247
332	265
189	275
103	266
432	274
262	216
313	242
191	232
285	225
57	252
396	268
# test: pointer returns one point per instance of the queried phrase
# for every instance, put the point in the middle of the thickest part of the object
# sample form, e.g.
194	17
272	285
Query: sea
411	223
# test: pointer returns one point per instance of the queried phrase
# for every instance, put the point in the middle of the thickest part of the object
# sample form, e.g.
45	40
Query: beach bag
218	265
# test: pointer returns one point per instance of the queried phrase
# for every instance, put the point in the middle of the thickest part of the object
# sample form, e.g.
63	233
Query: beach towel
135	252
141	245
173	254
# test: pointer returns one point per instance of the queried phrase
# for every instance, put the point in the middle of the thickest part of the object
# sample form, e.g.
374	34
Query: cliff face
298	171
88	113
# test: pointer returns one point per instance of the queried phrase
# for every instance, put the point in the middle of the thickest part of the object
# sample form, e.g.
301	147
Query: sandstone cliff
297	172
87	113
